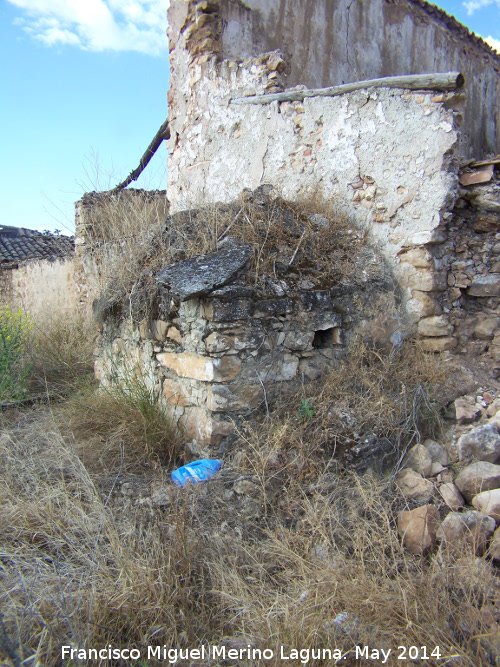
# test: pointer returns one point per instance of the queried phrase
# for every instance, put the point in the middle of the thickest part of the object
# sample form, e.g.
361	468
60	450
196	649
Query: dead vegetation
62	353
285	547
304	241
293	544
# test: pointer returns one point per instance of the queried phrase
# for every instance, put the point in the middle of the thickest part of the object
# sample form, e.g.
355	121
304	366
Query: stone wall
385	158
40	287
327	42
471	256
108	227
223	356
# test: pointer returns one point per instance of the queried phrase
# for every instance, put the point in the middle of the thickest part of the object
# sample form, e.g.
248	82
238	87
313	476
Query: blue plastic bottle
196	472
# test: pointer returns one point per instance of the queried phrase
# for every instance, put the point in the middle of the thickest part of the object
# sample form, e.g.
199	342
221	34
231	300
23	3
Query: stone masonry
223	349
388	160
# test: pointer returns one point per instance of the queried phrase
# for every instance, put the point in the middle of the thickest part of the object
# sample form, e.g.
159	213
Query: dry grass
72	571
124	417
396	395
301	240
304	236
307	557
63	352
118	232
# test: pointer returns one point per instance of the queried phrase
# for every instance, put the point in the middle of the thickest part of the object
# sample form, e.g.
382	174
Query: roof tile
18	245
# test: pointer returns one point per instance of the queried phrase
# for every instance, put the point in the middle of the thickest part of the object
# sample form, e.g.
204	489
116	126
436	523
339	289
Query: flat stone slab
202	274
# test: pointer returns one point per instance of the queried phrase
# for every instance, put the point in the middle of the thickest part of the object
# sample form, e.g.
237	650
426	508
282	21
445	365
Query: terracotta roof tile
19	245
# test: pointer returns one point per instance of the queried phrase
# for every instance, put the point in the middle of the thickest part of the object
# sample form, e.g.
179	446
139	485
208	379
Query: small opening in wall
323	338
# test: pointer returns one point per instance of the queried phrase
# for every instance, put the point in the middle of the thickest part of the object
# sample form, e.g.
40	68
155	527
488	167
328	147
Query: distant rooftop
18	245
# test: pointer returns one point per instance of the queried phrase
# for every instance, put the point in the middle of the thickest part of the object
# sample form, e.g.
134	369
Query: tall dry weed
63	352
75	571
282	548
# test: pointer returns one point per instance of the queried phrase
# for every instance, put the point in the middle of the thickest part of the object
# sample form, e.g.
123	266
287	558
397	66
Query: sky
83	87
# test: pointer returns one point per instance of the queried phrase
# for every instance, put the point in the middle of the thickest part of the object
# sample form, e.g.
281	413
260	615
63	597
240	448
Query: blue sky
84	87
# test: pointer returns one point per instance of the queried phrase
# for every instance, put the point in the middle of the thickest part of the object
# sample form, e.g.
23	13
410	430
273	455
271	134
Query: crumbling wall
5	285
108	227
41	287
471	255
384	158
225	346
327	42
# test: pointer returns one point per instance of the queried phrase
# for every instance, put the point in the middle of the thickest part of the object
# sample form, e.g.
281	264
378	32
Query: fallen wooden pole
439	81
163	133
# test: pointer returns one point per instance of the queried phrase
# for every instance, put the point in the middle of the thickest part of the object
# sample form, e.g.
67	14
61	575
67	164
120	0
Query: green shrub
15	346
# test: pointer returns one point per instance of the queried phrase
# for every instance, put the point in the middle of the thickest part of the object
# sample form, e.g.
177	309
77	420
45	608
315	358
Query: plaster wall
43	288
383	157
329	42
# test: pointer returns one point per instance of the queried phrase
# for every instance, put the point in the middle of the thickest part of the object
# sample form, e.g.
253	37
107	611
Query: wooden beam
439	81
163	133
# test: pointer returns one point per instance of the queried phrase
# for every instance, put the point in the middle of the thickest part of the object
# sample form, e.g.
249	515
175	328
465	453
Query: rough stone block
467	528
313	300
419	459
199	424
451	496
419	257
197	367
441	344
422	304
159	330
175	394
485	285
200	275
486	222
299	340
433	237
423	280
466	409
485	329
217	342
488	503
437	452
481	444
272	307
326	320
418	528
224	397
280	368
174	334
478	477
494	550
436	325
412	485
218	310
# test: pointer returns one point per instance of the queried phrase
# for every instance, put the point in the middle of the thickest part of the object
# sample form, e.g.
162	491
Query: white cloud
97	25
473	5
494	43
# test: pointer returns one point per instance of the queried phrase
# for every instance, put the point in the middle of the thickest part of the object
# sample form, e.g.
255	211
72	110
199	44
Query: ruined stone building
393	167
330	42
36	271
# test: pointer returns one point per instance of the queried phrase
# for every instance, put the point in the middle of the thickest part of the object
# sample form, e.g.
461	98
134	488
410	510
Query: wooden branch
163	133
444	81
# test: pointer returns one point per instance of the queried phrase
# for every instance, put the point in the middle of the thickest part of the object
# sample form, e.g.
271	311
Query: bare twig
229	226
297	248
